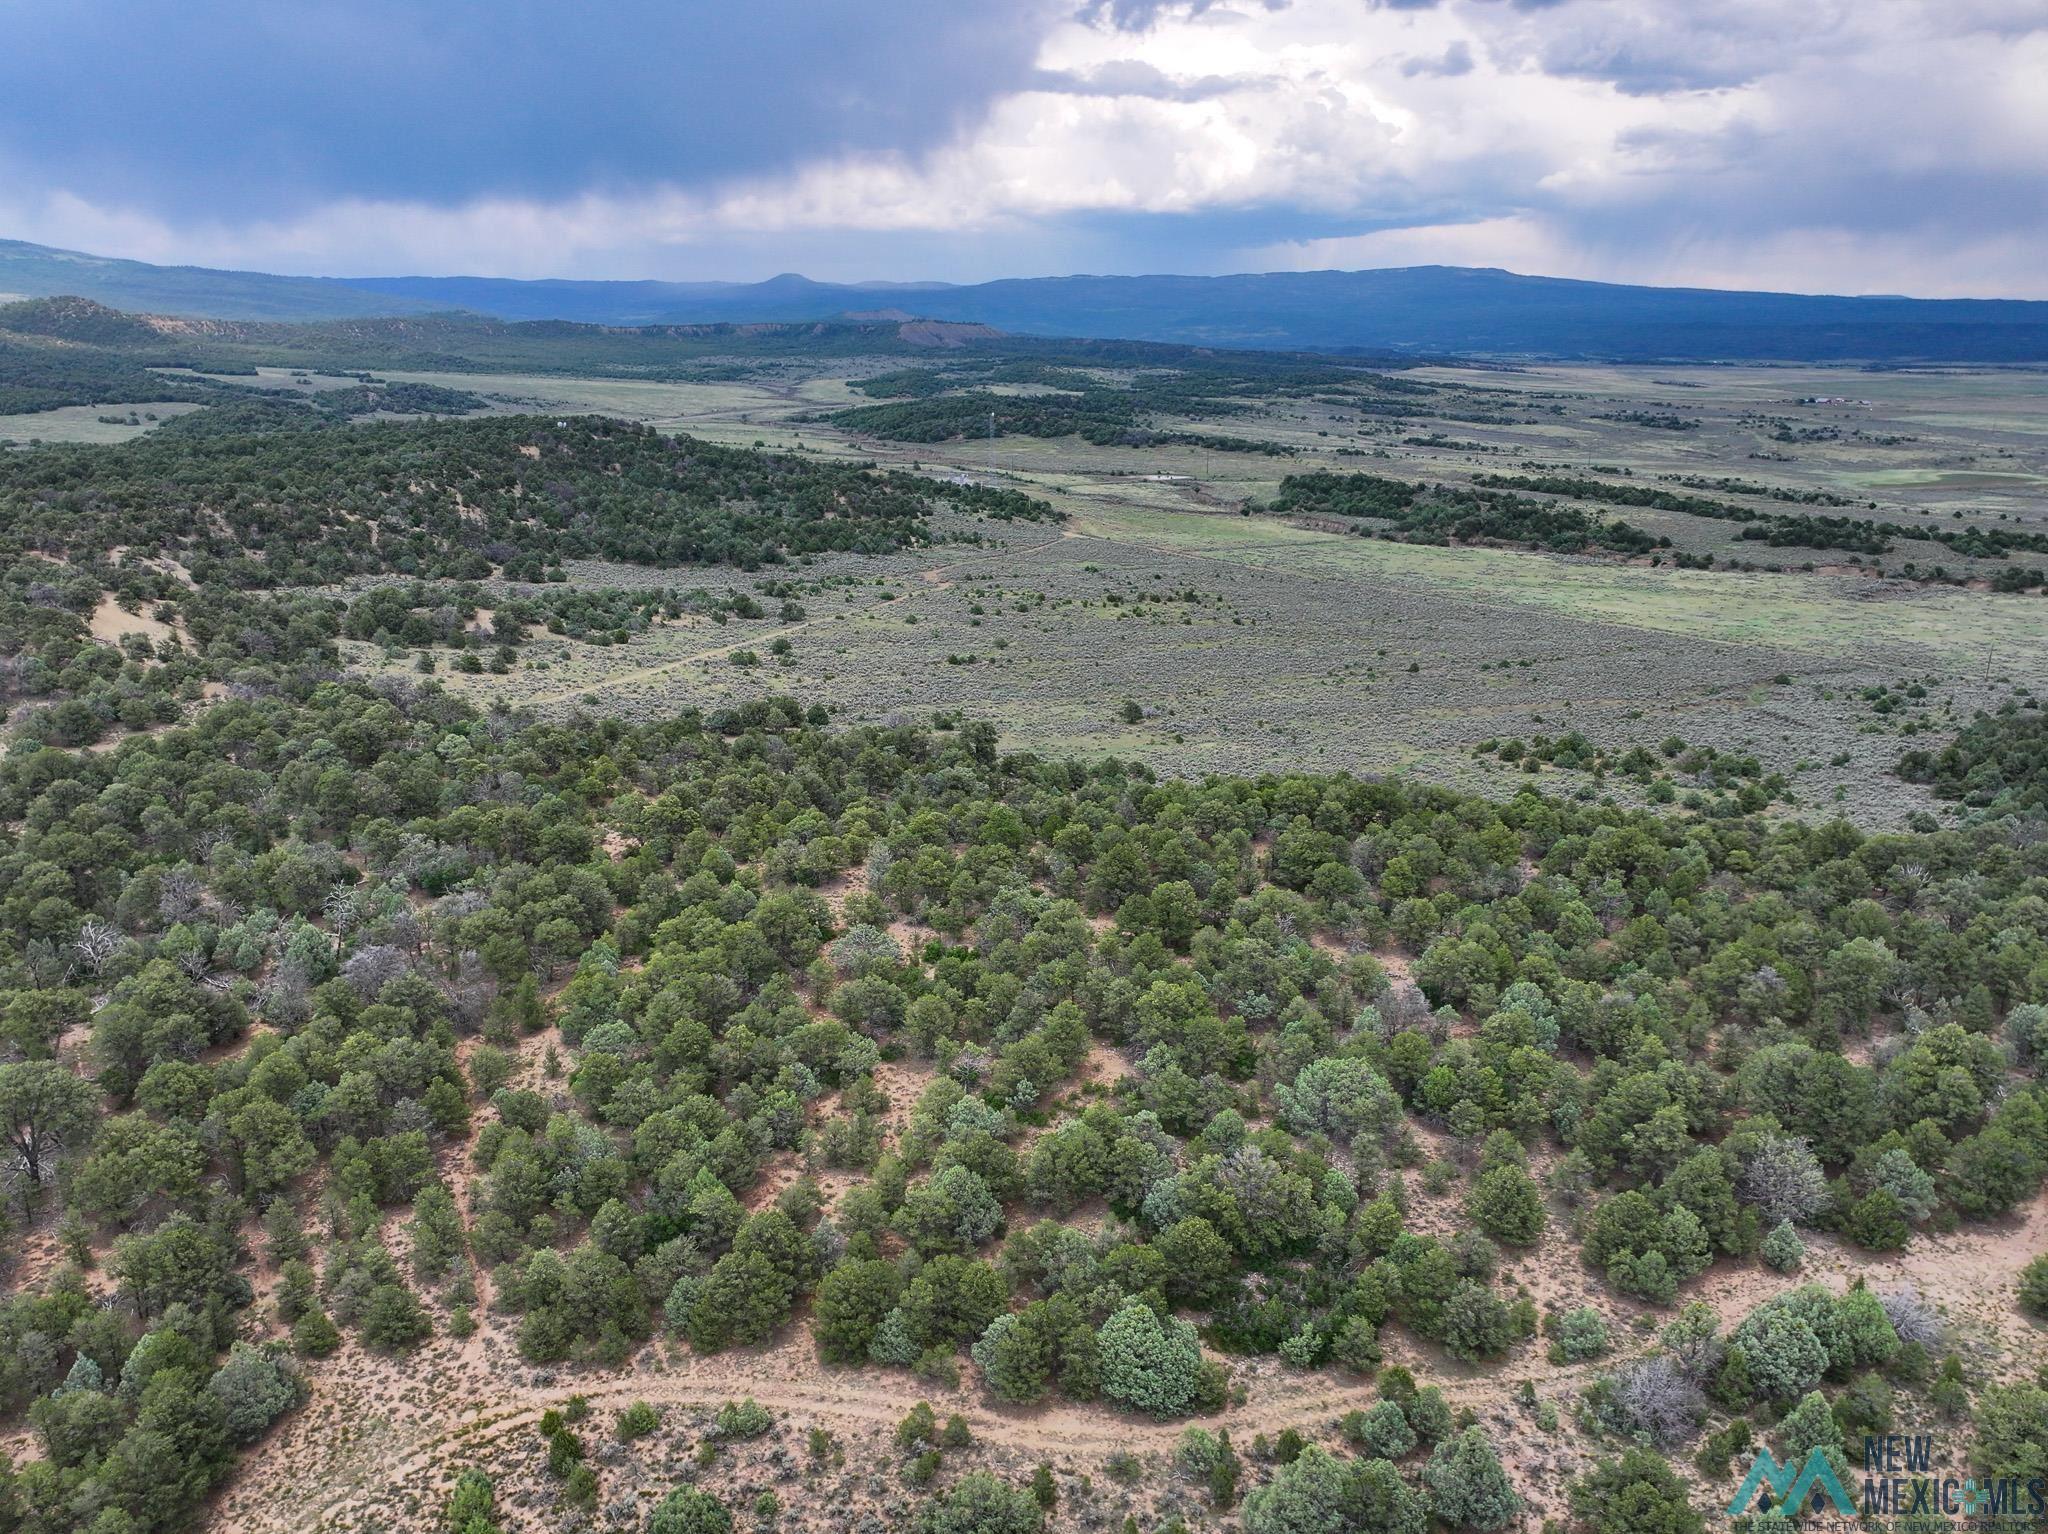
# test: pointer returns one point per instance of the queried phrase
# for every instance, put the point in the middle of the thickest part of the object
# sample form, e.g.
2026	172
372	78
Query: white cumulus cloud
1832	146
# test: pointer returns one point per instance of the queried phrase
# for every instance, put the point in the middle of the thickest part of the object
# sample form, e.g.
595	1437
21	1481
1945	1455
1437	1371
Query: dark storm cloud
1651	70
232	107
1731	141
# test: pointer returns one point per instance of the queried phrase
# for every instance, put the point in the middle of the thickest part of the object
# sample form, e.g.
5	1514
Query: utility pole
991	444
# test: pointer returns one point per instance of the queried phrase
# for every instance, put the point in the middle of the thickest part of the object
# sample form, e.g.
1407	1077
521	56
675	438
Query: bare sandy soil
109	622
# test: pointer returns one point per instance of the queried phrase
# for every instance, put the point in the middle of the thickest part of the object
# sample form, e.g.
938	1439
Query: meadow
1313	647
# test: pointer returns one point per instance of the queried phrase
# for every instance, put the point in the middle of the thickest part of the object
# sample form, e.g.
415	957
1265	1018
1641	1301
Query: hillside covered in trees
248	508
274	982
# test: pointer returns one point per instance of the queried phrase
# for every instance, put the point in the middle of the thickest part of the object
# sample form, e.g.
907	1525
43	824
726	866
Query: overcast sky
1884	146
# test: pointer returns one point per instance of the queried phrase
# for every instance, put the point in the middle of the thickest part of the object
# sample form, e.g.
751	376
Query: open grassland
1815	614
1175	616
88	423
1251	642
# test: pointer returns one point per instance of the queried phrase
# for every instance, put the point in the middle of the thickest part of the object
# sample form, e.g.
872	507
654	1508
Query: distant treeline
1422	513
925	383
1728	486
57	352
36	376
1861	535
455	342
953	403
282	410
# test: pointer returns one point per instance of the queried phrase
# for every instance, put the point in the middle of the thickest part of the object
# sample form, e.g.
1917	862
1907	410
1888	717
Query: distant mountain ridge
1469	311
39	271
69	319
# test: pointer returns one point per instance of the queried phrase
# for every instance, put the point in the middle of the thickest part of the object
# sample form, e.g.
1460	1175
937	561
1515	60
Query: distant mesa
1414	311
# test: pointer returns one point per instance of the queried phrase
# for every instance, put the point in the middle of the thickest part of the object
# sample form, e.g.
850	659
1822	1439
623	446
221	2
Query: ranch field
1256	642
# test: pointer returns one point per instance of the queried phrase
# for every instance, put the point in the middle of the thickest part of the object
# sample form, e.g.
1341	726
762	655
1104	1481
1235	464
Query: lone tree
981	1504
1506	1204
1468	1488
687	1510
1784	1180
43	1108
1636	1494
1318	1491
1148	1364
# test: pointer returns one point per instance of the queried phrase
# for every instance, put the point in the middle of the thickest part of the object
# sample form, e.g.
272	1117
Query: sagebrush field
1253	640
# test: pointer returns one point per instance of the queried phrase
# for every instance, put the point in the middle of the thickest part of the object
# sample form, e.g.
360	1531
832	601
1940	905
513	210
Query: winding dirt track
855	1405
383	1438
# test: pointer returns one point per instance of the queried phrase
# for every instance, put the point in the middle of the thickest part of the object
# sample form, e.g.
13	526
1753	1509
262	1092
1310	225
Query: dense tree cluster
1421	513
1101	416
301	946
77	689
450	499
1736	780
1998	763
462	616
